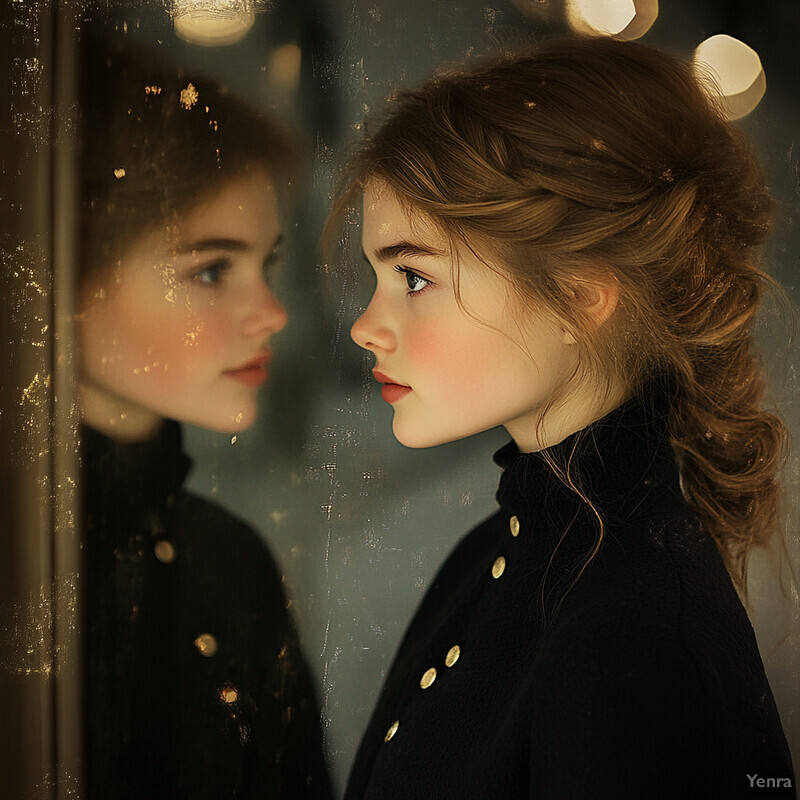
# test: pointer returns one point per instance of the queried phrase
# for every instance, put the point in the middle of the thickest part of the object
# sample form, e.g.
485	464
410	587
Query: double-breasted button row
429	676
454	653
426	681
499	565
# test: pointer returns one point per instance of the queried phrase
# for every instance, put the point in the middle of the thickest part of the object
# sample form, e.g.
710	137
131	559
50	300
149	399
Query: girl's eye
416	283
211	274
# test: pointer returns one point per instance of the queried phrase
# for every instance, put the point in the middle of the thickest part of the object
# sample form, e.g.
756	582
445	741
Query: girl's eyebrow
235	245
231	245
405	249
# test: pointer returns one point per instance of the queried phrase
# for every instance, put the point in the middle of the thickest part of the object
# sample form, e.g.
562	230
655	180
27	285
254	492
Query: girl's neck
116	417
581	403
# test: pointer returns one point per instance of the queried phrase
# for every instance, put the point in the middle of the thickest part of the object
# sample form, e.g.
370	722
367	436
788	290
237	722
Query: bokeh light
731	71
212	23
628	19
284	67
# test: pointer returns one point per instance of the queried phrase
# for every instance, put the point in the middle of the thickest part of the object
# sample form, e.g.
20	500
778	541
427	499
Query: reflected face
180	327
451	370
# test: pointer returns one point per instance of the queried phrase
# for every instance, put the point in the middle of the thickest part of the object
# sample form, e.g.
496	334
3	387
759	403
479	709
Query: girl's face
181	326
451	370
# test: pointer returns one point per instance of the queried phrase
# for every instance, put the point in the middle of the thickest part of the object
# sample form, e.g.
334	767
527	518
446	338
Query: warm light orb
731	71
627	19
212	23
602	16
284	66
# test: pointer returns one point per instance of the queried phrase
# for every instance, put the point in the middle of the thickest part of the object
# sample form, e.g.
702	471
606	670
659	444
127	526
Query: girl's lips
251	373
391	392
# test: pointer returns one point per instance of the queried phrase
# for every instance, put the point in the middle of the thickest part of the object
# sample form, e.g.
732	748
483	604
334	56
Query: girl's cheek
426	347
190	329
165	349
203	335
451	351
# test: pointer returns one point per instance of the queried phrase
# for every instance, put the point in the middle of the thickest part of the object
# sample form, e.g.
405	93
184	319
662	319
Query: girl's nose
371	330
267	315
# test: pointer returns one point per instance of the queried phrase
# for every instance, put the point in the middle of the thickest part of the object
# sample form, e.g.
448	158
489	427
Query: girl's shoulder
655	616
220	543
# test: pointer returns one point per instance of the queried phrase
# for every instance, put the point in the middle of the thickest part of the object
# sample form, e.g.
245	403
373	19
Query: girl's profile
183	329
565	243
195	682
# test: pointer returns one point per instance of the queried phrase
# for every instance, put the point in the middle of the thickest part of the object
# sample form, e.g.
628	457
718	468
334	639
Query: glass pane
195	163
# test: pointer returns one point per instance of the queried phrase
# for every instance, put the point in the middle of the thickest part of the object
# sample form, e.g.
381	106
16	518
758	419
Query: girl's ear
597	301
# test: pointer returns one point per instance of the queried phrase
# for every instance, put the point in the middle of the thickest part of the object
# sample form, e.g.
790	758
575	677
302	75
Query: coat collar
133	477
616	462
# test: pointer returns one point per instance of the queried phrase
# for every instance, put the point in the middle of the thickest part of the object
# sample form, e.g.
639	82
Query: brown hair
156	141
595	157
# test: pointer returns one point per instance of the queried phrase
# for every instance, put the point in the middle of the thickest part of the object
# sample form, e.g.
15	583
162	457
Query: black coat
196	687
639	678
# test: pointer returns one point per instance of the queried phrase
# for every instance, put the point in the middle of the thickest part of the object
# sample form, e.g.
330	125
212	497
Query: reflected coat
196	686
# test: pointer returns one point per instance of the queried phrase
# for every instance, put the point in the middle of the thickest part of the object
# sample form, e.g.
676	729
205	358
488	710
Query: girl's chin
240	426
419	441
230	424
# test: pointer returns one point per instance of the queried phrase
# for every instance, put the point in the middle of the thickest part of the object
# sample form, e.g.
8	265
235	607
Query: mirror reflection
195	685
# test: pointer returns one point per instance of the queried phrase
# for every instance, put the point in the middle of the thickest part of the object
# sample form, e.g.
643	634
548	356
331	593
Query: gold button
392	731
513	523
428	678
452	655
206	644
165	551
499	567
229	694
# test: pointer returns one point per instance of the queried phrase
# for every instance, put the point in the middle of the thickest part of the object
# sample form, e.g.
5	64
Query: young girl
563	245
195	684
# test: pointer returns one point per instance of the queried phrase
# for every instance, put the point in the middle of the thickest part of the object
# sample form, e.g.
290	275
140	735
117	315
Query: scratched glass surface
358	523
